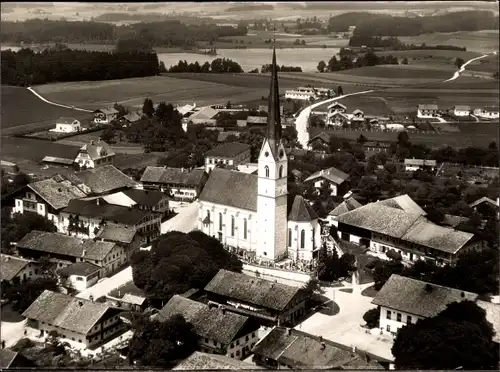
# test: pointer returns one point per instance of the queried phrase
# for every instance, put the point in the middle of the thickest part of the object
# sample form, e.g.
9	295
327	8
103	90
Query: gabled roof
228	150
148	198
164	175
252	290
56	193
97	150
10	359
56	160
301	211
67	312
357	111
427	107
347	205
221	185
57	243
422	162
484	199
11	266
403	202
66	120
417	297
336	104
205	113
301	350
462	107
117	233
107	110
103	179
79	268
119	198
132	117
325	137
212	323
331	174
108	212
205	361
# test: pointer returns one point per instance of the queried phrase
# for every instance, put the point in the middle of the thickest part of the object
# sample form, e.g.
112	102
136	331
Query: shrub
22	344
393	255
372	317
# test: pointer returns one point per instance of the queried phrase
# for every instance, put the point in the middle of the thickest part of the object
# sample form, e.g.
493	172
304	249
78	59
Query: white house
95	154
490	112
461	110
305	93
228	154
67	125
80	275
105	115
404	301
427	111
334	178
412	165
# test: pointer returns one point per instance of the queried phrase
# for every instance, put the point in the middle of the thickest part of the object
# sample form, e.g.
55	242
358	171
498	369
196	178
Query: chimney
323	345
97	201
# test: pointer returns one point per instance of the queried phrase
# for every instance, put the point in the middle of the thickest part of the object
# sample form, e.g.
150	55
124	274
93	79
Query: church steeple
273	119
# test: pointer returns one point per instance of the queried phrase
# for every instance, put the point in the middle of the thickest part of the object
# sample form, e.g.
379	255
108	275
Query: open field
34	149
488	64
370	105
432	55
391	72
137	161
474	41
22	110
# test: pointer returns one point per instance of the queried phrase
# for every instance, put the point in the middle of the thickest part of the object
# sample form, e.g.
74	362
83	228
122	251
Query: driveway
12	327
107	285
345	326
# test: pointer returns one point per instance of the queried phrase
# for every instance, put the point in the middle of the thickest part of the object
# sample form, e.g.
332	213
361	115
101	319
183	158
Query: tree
321	66
404	139
458	337
405	61
459	62
108	135
148	107
372	317
312	287
340	91
394	255
16	227
23	294
361	139
122	111
383	271
160	344
228	105
493	146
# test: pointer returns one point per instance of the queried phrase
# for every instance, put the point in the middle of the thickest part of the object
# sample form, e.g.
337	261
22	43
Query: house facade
67	125
337	119
333	177
461	110
412	165
488	112
80	275
228	154
17	269
95	154
427	111
105	115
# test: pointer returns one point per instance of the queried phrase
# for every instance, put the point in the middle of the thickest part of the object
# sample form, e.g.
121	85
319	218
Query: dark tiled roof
11	266
260	292
325	137
228	150
213	323
108	212
428	107
97	150
301	211
79	268
403	202
331	174
417	297
107	110
117	233
179	176
231	188
204	361
132	117
301	350
7	356
57	193
65	245
147	198
104	179
347	205
67	312
462	107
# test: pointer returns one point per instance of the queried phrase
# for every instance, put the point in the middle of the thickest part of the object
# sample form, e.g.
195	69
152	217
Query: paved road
185	221
107	285
12	326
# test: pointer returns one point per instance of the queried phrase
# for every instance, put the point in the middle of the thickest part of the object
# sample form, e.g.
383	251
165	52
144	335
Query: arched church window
232	226
220	221
245	228
208	215
302	238
289	237
266	168
281	171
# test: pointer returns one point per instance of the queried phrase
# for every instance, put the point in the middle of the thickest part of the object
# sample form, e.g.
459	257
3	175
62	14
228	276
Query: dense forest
371	24
218	65
348	61
171	33
26	67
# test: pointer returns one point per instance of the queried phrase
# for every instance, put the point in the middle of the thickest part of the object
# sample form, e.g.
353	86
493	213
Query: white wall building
67	125
461	110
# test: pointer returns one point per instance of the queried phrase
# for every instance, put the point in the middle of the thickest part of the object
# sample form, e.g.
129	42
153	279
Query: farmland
488	64
392	72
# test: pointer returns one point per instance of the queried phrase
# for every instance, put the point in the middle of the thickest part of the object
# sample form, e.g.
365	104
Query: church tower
272	181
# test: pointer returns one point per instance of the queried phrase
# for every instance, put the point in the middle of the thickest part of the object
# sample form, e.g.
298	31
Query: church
250	211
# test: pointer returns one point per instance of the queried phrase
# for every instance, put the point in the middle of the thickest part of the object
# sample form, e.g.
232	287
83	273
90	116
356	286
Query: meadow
370	105
488	64
392	72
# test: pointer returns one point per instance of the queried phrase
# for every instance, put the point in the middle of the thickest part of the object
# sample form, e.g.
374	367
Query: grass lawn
488	64
137	161
35	149
392	72
369	292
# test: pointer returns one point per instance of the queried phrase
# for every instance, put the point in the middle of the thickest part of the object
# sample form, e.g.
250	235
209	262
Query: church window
266	168
302	238
289	237
208	215
245	228
232	226
281	171
220	221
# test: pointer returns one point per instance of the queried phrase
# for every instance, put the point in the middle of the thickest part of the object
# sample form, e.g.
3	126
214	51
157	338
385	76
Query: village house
17	269
125	236
231	153
284	348
67	125
64	250
148	200
319	141
357	118
84	218
412	165
205	115
219	331
375	146
404	301
103	180
486	206
206	361
337	106
130	118
427	111
268	302
14	360
82	321
95	154
488	112
399	224
461	110
105	115
337	119
253	121
11	169
47	197
128	297
179	183
265	108
79	275
333	177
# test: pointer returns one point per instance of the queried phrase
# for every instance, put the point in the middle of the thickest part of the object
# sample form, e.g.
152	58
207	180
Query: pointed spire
273	118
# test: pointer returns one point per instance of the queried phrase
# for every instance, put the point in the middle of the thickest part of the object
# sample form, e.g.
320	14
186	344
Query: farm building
102	180
205	115
489	112
337	106
349	204
412	165
105	115
130	118
461	110
319	141
333	177
17	269
67	125
207	361
231	154
9	168
427	111
95	154
358	116
124	236
337	119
